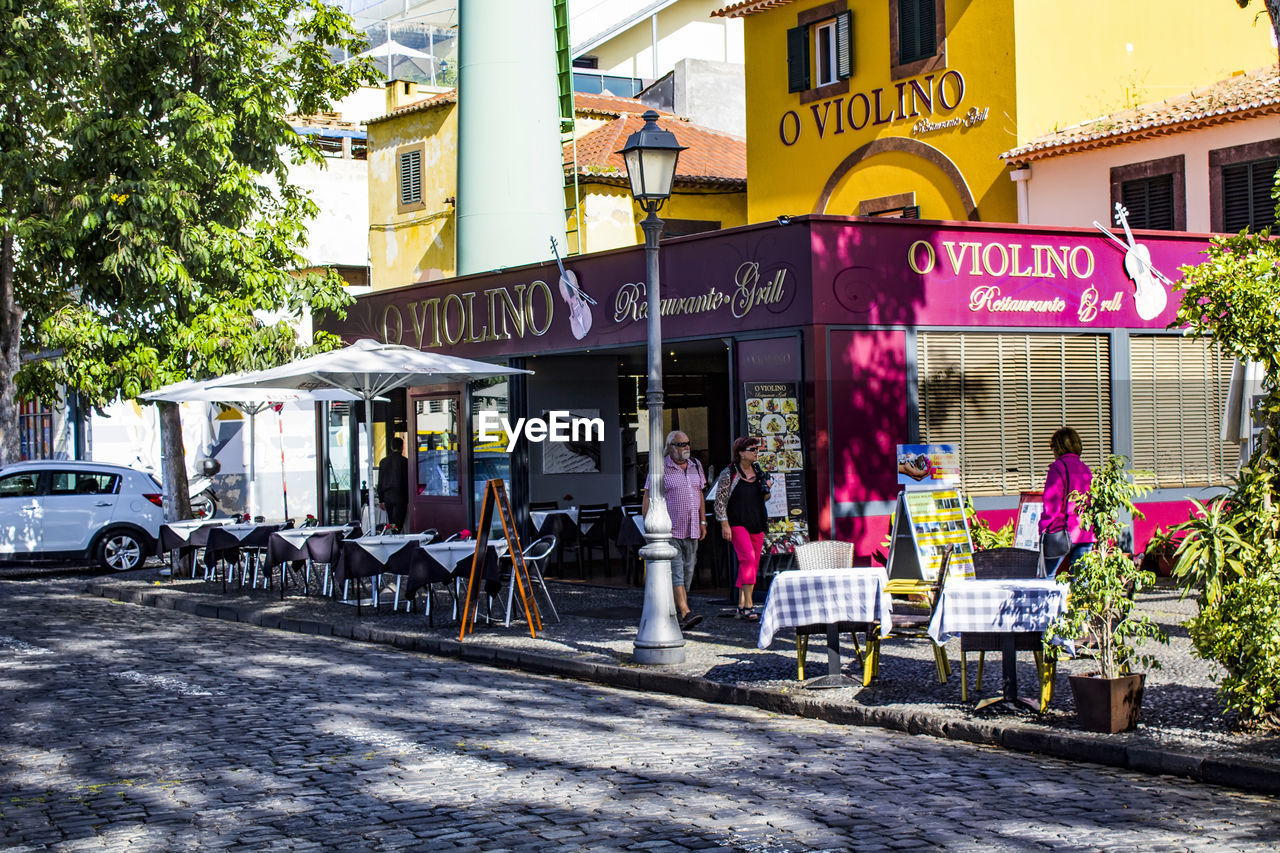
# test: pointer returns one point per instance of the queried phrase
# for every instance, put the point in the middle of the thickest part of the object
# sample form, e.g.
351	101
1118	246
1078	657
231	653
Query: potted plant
1161	555
1100	606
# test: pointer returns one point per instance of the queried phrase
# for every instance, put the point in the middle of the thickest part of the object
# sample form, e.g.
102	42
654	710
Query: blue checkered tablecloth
820	596
997	606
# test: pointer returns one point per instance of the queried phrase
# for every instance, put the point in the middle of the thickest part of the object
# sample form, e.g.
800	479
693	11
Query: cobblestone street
124	726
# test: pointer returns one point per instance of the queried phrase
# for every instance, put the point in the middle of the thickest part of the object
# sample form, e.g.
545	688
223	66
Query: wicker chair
997	563
826	555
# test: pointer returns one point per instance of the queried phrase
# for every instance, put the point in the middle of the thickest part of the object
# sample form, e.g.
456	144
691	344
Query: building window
1240	184
1000	397
685	227
820	51
1149	202
898	206
1153	192
1179	395
1246	195
917	36
409	160
35	430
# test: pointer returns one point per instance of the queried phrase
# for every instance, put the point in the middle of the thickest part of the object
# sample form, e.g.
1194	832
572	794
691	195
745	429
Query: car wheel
120	551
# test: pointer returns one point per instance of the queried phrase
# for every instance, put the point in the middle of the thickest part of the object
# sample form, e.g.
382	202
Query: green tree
1230	553
147	218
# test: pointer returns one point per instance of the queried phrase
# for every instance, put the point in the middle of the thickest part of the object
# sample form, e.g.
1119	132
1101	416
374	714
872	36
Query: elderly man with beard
683	483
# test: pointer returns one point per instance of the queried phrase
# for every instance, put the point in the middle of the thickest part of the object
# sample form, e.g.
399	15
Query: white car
69	510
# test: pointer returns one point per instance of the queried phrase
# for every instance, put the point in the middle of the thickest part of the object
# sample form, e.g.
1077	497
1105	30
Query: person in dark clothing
741	492
393	483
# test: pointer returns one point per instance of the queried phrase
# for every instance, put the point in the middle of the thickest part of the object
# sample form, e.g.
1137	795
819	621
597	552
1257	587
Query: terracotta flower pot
1107	705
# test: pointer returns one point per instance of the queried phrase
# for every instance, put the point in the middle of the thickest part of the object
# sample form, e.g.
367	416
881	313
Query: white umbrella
369	369
251	401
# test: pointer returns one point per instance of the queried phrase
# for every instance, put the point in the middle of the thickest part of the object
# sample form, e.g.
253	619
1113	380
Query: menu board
773	418
1030	508
926	522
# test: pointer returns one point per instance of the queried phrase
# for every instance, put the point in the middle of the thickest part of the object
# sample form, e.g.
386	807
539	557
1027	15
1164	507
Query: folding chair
535	557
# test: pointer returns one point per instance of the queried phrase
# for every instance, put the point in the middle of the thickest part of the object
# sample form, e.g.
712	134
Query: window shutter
1149	202
844	45
1179	396
411	177
1001	396
1246	195
917	35
928	36
797	59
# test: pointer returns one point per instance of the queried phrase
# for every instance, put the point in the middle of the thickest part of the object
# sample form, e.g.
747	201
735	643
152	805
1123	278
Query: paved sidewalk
1183	731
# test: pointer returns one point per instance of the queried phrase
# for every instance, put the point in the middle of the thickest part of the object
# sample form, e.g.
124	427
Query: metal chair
828	554
535	556
1000	563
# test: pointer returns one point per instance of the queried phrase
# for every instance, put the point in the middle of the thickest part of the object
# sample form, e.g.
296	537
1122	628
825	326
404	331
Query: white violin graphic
578	300
1150	297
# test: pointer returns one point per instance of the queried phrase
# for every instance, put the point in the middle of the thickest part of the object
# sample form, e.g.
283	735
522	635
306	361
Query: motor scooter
204	500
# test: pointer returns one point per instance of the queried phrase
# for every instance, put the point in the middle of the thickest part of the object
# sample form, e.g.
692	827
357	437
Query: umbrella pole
369	464
284	483
253	466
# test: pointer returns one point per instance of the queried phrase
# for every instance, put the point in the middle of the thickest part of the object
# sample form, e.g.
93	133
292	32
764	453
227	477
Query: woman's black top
746	506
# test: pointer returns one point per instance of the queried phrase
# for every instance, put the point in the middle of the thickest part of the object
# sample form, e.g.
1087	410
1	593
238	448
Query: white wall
1075	189
340	232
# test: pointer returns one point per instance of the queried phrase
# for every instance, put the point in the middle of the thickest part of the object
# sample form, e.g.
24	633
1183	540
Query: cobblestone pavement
123	726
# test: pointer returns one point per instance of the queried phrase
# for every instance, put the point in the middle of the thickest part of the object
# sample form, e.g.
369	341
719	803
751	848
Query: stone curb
1255	777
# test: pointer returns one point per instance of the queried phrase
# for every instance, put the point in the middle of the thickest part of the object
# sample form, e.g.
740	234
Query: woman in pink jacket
1067	474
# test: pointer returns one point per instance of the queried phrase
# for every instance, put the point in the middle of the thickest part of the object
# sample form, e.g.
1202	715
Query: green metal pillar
510	173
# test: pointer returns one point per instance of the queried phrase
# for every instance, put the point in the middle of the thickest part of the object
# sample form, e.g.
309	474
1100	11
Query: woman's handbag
1056	544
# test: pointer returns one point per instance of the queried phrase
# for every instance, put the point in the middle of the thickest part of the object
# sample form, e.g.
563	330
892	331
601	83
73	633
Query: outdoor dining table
288	546
1004	606
187	535
829	596
233	537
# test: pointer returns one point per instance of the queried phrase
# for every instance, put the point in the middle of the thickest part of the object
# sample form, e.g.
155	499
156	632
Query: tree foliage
1230	556
147	215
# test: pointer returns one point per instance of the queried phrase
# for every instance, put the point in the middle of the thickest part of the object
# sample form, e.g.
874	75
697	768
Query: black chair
1004	563
593	532
543	506
630	540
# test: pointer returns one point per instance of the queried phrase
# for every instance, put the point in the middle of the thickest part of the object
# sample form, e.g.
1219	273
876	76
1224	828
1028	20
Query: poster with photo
1030	508
572	457
928	465
937	520
773	418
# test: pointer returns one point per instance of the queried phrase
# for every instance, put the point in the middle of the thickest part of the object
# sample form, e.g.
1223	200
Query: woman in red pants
741	492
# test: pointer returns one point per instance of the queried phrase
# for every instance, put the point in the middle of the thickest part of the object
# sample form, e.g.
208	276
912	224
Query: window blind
1179	394
1149	202
411	177
1246	195
1000	397
917	36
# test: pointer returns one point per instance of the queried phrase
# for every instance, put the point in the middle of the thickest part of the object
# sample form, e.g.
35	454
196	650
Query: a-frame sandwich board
495	497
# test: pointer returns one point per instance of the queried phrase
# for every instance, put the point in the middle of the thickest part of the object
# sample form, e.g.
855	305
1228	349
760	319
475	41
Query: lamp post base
659	640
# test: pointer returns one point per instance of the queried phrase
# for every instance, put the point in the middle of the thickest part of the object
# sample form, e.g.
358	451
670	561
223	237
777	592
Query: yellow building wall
1088	58
1078	60
418	244
612	217
827	155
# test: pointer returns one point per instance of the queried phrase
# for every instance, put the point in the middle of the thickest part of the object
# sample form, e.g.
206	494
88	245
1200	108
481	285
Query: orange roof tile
712	157
748	7
1243	96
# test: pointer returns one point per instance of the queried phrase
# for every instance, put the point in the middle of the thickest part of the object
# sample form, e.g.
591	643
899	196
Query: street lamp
651	154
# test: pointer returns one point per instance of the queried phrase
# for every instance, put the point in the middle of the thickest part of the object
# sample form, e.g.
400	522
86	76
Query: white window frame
824	53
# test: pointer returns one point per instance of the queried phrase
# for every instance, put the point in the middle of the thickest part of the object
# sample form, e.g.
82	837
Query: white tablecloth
298	536
997	606
382	547
538	517
240	531
450	554
184	529
819	596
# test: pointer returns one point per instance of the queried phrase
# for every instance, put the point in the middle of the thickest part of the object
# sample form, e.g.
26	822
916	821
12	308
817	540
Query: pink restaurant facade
895	332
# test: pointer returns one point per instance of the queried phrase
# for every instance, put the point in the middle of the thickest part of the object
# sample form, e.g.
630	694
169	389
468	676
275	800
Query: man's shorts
684	562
